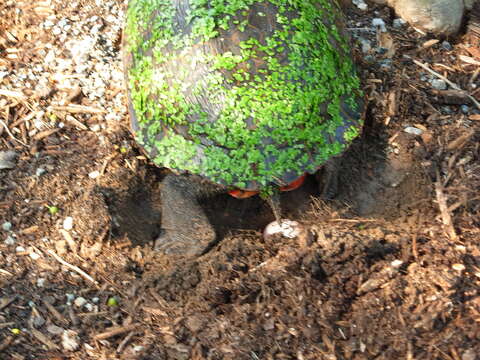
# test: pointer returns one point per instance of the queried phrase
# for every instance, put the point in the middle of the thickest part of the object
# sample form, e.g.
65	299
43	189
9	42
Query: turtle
238	96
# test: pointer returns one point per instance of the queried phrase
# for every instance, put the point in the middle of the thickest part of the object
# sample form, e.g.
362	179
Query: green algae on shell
246	93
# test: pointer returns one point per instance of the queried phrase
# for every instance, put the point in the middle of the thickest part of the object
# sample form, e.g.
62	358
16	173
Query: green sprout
52	209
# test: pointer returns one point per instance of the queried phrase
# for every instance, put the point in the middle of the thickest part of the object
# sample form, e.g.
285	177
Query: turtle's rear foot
186	229
327	179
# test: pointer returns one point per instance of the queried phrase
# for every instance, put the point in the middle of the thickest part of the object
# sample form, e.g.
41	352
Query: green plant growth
215	95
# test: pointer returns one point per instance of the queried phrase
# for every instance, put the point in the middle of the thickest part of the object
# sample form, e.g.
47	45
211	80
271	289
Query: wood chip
469	60
117	330
13	94
77	109
44	134
56	314
442	204
4	302
430	43
6	343
43	339
460	141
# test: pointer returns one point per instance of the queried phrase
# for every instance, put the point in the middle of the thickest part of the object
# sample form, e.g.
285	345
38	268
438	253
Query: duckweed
241	91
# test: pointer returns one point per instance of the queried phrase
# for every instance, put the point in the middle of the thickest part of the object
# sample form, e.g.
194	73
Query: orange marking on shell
243	194
294	184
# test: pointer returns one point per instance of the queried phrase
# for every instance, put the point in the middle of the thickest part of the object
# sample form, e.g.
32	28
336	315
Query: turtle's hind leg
327	178
186	229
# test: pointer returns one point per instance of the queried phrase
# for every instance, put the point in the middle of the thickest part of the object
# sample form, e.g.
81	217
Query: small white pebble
396	263
95	300
10	240
360	4
40	171
398	23
7	226
458	267
80	301
89	307
94	174
138	348
68	223
56	31
377	22
413	130
34	256
439	84
40	282
19	249
70	298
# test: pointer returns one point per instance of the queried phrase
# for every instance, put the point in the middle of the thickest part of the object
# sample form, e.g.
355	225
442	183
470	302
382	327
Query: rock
360	4
7	159
68	223
447	46
413	130
377	22
366	45
465	109
398	23
80	301
94	174
7	226
40	171
441	17
10	240
70	340
439	84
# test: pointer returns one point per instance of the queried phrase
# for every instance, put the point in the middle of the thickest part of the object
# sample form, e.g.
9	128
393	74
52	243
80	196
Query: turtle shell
248	94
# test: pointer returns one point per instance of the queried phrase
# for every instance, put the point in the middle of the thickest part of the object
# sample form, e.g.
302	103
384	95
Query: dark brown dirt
377	274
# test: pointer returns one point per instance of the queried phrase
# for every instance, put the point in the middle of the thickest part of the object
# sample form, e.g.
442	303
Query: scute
246	93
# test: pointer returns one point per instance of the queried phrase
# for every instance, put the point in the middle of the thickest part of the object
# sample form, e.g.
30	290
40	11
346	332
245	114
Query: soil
389	269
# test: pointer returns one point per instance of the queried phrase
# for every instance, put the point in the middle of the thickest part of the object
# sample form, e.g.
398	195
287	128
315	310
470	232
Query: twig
5	272
116	331
4	302
452	84
6	324
10	133
75	109
124	342
442	204
12	94
72	267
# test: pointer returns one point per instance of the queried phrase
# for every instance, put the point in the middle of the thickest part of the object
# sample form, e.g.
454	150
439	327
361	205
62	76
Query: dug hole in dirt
390	269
